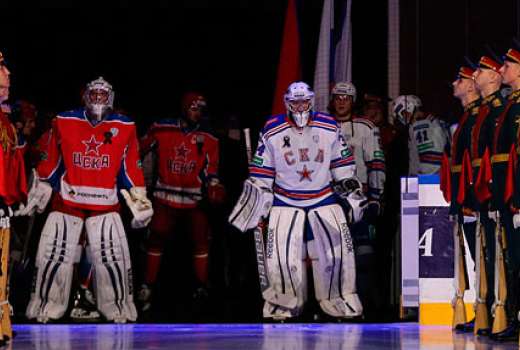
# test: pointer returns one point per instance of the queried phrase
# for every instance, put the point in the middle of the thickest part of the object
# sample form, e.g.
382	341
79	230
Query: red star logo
92	145
181	151
305	173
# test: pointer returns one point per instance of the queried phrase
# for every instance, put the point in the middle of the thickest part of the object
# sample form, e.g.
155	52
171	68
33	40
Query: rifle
500	321
481	285
461	277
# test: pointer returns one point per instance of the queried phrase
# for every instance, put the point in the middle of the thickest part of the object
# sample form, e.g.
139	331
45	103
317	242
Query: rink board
428	252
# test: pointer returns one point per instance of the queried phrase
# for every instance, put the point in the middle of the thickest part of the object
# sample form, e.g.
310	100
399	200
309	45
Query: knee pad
284	258
333	262
112	267
57	252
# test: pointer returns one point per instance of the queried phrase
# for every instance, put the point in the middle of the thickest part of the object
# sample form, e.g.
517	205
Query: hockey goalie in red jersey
187	161
91	156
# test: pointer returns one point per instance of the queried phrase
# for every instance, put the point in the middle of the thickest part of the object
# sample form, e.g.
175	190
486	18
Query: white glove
516	220
38	198
140	206
468	219
492	214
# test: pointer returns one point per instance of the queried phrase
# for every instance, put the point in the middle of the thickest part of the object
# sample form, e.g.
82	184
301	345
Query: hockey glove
372	212
38	198
216	192
139	205
355	203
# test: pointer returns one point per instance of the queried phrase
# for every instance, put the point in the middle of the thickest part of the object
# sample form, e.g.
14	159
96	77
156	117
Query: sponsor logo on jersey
345	153
258	161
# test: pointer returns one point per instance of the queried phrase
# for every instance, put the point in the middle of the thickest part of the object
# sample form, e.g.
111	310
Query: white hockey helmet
344	88
299	102
99	97
405	103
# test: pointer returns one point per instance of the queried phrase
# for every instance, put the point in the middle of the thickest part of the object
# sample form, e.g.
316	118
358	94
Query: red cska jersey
186	160
87	164
13	183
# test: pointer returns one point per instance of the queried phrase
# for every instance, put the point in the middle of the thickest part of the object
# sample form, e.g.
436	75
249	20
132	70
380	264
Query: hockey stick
268	292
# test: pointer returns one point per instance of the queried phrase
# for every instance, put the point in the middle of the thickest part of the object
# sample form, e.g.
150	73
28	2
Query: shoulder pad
365	121
75	113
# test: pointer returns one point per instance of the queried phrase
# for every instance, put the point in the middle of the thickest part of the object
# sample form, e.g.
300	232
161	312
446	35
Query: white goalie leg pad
253	204
54	267
112	268
333	262
284	262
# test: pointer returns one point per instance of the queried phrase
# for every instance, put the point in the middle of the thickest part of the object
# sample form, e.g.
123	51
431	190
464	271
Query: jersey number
421	136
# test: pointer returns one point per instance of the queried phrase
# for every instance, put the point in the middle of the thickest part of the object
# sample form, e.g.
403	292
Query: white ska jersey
428	138
362	136
300	165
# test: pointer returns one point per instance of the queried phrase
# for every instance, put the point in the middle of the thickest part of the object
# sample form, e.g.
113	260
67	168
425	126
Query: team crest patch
316	138
114	131
44	156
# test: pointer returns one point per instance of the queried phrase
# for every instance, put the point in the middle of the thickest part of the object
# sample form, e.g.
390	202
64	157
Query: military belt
500	158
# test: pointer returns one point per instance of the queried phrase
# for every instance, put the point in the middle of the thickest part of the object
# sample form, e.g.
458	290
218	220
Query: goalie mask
299	101
405	106
98	98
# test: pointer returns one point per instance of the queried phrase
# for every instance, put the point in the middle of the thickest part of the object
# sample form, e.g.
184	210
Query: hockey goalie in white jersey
301	169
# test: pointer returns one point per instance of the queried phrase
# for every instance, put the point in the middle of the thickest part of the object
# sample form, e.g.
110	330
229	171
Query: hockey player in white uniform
428	136
302	158
362	136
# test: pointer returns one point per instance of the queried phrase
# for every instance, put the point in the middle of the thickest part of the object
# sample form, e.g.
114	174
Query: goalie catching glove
350	191
38	197
140	206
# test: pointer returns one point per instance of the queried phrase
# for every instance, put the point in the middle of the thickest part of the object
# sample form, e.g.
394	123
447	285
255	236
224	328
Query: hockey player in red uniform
92	153
187	161
13	189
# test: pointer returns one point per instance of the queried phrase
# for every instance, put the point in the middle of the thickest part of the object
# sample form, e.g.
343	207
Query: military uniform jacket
481	140
461	143
504	137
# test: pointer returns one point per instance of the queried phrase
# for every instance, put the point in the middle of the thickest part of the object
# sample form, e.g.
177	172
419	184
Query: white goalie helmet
345	88
99	97
299	102
405	103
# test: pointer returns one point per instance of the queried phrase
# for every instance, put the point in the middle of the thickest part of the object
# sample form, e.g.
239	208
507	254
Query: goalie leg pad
112	268
253	204
284	260
54	267
333	262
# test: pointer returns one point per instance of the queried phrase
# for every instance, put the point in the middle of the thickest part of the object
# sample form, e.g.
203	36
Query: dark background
229	50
